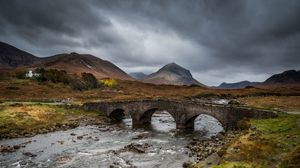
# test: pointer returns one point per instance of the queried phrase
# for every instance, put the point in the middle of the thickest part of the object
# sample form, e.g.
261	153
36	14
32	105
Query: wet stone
79	137
29	154
137	148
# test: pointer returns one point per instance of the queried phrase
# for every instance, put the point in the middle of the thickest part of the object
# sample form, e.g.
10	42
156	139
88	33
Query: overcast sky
217	40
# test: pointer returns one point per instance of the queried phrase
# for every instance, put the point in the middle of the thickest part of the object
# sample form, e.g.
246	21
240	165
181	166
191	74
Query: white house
31	74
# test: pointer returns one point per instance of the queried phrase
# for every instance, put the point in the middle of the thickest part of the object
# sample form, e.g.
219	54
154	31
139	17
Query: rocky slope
172	74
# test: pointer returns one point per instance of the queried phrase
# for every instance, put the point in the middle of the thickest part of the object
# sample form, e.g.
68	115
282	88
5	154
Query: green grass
237	165
283	129
274	143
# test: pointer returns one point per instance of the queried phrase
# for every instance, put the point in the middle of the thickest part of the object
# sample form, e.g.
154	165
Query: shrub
52	75
77	84
108	82
86	82
89	80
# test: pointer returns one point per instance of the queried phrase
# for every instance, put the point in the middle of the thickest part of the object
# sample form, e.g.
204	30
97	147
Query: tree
89	80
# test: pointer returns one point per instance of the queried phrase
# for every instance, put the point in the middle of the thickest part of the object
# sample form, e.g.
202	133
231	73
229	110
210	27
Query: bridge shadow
121	118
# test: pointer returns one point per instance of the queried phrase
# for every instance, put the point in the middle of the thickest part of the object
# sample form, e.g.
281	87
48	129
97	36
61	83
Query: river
100	146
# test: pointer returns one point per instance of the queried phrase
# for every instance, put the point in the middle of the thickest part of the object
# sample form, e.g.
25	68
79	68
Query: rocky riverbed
209	150
104	145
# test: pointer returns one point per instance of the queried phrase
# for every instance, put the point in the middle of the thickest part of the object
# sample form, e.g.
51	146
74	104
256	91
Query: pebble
79	137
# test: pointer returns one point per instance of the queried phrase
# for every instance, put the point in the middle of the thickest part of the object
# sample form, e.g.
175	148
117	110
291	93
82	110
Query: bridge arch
147	115
117	115
190	122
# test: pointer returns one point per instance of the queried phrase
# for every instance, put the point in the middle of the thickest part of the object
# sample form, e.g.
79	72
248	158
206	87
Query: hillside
12	57
172	74
78	63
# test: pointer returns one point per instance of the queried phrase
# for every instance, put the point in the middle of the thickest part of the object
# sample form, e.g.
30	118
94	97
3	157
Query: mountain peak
172	74
171	64
176	69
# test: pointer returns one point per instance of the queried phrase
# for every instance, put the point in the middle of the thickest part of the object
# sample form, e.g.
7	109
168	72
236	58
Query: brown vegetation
17	89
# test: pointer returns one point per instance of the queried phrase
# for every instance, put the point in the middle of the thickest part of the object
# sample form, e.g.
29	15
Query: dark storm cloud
218	40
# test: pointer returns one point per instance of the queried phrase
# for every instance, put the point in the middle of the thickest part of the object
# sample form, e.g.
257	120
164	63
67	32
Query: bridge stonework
183	112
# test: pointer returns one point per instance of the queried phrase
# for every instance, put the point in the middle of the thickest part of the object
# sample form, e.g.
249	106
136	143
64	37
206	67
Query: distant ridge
286	77
289	77
237	85
138	75
172	74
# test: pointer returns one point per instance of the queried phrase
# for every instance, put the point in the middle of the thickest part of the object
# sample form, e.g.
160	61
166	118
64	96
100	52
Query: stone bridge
183	112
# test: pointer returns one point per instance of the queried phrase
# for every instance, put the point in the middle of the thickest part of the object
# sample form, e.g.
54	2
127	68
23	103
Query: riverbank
262	143
22	119
267	143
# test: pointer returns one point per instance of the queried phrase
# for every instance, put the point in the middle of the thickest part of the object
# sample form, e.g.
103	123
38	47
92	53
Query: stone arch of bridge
190	122
117	115
147	115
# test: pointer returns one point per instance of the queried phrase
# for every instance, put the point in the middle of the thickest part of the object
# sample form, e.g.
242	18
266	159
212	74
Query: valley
77	110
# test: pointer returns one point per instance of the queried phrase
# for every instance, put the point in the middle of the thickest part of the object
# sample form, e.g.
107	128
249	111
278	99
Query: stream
100	146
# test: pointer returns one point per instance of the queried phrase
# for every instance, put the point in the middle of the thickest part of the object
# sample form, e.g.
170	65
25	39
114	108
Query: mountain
172	74
286	77
138	75
12	57
237	85
78	63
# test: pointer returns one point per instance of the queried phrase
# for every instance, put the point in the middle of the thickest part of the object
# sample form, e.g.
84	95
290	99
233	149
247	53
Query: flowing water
94	146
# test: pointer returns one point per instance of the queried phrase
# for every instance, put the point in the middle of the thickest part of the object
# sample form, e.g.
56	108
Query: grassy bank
269	143
26	119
